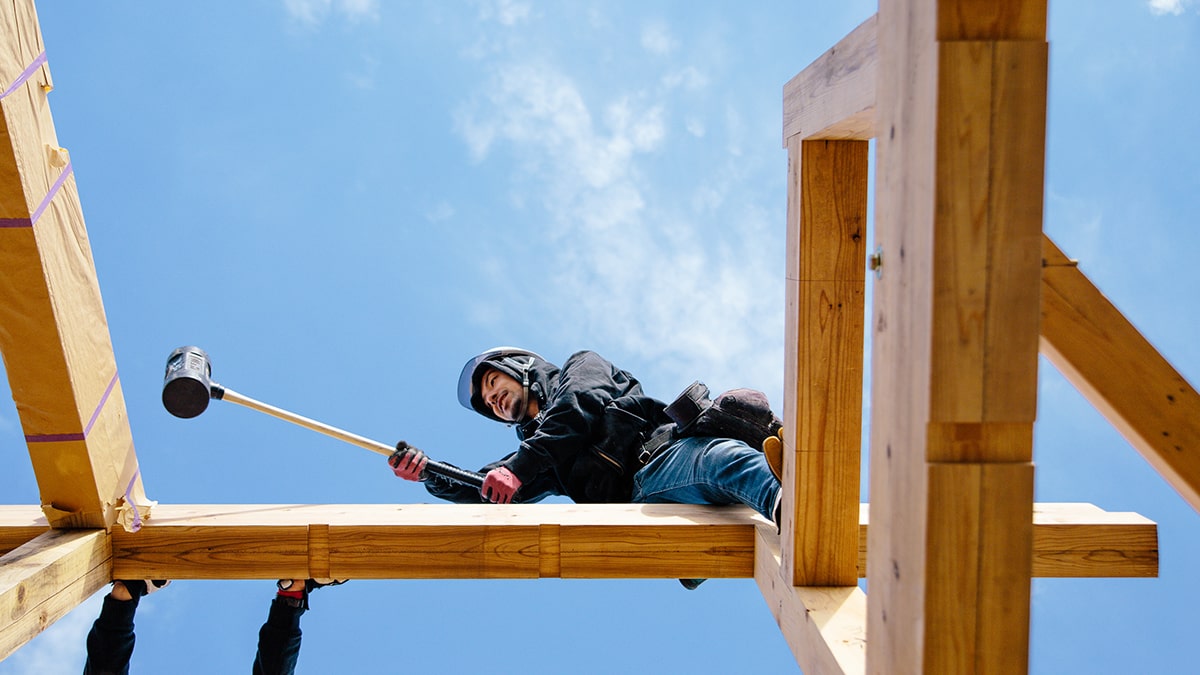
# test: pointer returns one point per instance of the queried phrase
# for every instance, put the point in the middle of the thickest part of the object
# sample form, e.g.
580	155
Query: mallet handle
445	470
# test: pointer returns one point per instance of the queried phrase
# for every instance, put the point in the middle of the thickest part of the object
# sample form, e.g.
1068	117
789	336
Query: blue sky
342	201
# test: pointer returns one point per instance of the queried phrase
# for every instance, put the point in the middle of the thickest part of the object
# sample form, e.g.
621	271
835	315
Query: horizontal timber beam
46	577
834	97
19	524
449	541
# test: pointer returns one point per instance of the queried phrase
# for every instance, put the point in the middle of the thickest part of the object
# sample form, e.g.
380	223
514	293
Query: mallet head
186	384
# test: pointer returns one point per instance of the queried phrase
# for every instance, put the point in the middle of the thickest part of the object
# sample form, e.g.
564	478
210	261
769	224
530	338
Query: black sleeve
110	641
441	487
586	384
278	640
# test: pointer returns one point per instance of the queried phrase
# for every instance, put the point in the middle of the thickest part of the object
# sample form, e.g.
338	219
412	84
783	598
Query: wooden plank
1078	540
441	541
900	320
826	258
19	524
834	97
954	363
1100	352
545	540
43	579
824	626
56	344
1081	332
979	552
987	232
975	20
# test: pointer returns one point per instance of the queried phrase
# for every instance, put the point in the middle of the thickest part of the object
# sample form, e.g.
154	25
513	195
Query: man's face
502	394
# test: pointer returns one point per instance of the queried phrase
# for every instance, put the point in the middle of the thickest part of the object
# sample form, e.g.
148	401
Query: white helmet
512	361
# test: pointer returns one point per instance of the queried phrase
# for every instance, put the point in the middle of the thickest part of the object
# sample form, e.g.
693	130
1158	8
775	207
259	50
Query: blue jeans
701	470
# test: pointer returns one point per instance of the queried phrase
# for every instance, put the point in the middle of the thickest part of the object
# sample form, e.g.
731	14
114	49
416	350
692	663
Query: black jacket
584	442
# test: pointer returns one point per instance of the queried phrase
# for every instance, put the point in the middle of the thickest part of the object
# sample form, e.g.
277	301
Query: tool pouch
740	414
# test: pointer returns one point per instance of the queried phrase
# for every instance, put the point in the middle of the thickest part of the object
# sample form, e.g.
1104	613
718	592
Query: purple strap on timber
25	75
137	515
51	438
32	68
28	222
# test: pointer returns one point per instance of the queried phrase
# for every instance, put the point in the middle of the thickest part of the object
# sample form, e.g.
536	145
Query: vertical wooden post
826	235
961	132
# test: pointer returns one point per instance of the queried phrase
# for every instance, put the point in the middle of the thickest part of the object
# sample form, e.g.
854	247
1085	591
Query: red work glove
407	462
499	486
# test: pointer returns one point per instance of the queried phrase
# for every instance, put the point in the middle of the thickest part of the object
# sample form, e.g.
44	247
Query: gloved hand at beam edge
499	485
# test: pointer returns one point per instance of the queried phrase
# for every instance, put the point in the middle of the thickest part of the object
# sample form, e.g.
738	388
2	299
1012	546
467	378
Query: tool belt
659	440
741	414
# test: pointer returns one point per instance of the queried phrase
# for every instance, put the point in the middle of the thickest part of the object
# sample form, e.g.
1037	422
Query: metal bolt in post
875	262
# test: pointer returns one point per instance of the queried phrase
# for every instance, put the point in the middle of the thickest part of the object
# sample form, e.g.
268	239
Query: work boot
772	447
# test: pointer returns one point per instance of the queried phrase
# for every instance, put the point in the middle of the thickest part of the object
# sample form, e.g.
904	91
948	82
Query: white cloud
313	12
442	211
1175	7
657	39
506	12
623	268
689	78
540	110
364	77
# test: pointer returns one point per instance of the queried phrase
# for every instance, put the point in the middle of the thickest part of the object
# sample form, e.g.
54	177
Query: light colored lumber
1100	352
834	97
987	232
222	541
978	552
19	524
441	541
43	579
56	344
1081	332
824	626
959	111
1072	540
823	359
1080	540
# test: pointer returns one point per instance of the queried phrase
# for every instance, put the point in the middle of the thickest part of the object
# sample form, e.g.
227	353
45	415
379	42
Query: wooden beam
1082	334
823	359
440	541
1081	540
55	339
825	627
43	579
834	97
594	541
1078	540
960	113
19	524
1100	352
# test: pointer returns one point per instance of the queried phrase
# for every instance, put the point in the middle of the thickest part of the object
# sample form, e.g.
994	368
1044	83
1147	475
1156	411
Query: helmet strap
524	411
